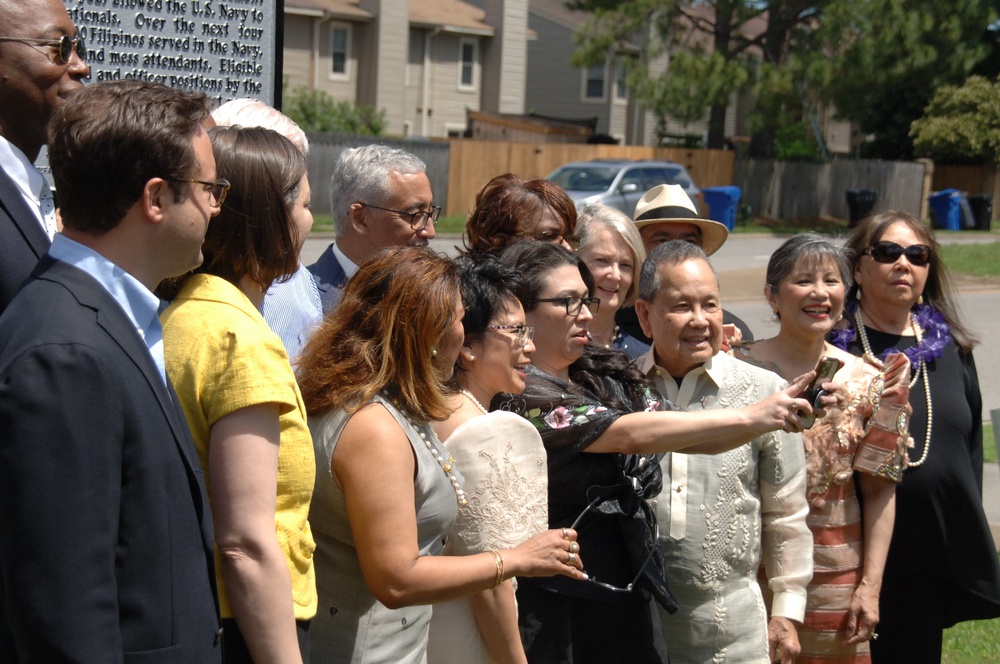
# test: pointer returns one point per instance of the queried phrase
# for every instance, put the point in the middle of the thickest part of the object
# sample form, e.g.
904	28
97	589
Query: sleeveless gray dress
351	626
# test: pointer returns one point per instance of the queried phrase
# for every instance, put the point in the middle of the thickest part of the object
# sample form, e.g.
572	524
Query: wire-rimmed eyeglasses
525	333
217	188
654	527
67	45
573	303
417	220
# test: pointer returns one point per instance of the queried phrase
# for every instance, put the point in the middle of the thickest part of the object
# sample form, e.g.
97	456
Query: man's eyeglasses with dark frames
654	528
67	45
889	252
217	188
573	304
417	220
525	333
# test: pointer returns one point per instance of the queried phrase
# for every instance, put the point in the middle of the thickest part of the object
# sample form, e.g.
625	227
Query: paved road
741	264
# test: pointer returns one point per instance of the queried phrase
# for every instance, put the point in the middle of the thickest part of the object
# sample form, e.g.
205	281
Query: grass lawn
979	260
975	642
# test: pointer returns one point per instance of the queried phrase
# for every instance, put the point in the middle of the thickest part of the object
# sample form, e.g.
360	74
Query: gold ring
572	558
565	533
573	547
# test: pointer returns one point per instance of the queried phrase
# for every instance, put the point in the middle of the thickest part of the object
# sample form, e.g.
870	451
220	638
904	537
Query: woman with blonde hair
611	248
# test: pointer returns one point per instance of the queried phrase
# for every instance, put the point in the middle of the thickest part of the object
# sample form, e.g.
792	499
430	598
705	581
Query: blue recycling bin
722	204
946	209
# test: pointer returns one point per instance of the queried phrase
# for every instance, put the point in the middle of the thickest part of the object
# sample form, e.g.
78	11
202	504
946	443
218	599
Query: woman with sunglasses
509	209
602	427
854	452
374	378
240	398
502	460
942	564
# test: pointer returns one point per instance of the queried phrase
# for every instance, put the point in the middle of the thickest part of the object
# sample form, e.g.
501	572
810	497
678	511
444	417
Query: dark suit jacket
105	531
330	278
22	240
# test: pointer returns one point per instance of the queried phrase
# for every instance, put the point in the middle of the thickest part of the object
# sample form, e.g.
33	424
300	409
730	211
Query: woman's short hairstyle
361	175
939	291
534	261
253	234
255	113
812	248
506	204
110	139
394	312
489	287
594	216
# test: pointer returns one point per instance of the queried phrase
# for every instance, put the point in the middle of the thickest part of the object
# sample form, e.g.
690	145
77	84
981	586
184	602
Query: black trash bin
860	203
982	210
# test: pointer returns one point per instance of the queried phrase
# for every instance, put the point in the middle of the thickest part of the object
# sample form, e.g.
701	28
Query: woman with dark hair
854	453
509	209
241	401
374	379
603	427
942	565
503	462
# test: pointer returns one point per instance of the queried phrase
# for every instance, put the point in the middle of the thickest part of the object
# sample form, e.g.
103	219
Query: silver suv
620	183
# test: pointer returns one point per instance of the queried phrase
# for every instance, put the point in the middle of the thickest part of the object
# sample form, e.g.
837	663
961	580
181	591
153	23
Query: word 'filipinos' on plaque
226	49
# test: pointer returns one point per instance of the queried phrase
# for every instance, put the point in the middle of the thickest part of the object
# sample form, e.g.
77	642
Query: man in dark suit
106	551
40	66
381	198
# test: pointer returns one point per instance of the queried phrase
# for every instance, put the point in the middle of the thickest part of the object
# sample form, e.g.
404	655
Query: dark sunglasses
654	528
889	252
67	45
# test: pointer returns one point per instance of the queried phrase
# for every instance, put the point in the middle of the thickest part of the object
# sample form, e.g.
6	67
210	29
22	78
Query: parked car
620	183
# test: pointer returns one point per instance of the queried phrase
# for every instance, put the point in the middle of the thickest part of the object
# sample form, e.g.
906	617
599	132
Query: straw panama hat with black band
666	203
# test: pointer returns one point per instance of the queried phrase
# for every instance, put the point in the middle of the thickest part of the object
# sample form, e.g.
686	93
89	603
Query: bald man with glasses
41	64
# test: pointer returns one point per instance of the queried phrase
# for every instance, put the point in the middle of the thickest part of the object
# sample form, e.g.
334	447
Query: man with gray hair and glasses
381	198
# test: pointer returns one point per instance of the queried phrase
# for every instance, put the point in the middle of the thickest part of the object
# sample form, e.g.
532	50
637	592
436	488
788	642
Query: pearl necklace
447	465
614	337
474	400
921	370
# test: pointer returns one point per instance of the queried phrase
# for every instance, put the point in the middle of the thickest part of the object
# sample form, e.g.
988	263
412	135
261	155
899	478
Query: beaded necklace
919	358
615	336
447	465
474	400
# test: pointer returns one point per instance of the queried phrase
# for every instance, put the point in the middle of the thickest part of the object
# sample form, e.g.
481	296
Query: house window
594	83
467	57
621	92
340	41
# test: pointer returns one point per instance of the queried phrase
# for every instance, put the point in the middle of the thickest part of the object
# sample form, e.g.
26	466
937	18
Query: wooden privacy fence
790	191
473	163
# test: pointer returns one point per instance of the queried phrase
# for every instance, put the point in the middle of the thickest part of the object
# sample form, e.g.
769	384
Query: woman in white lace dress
503	462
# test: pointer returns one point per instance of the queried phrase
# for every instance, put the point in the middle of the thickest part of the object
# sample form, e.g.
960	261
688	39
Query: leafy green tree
315	110
717	47
885	58
961	123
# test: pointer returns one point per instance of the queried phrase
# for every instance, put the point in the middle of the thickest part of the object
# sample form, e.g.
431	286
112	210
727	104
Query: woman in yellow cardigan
239	395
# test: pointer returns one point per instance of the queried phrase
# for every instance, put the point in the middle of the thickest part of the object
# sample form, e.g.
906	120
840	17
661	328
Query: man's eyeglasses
552	237
417	220
525	333
889	252
654	528
573	303
67	45
217	188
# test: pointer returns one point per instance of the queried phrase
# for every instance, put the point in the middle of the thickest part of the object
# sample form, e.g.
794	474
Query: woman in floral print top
602	426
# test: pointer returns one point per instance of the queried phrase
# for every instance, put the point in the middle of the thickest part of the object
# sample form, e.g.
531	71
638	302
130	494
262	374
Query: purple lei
936	334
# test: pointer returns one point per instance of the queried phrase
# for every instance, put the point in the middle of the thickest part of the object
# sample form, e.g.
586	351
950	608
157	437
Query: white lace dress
503	462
